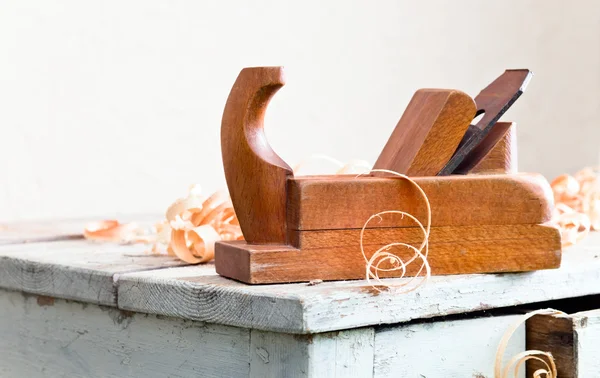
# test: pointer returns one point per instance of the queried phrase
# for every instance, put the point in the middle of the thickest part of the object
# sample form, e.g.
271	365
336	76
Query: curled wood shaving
577	204
111	230
354	167
384	259
517	361
384	255
192	226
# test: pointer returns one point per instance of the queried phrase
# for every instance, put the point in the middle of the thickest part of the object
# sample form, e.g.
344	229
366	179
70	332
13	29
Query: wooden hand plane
297	229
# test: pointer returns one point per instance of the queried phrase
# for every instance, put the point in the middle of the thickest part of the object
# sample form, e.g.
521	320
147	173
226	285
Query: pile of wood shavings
577	204
192	226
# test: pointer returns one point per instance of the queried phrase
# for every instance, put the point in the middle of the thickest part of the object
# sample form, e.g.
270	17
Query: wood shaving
111	230
352	167
577	204
191	227
385	256
517	361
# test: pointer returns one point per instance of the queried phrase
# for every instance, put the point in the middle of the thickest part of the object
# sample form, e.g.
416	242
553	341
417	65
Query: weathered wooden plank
197	292
329	306
587	334
278	355
342	354
80	270
44	337
572	340
455	348
333	354
32	231
62	229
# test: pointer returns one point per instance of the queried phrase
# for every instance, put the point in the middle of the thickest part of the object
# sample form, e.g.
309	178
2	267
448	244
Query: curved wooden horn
256	175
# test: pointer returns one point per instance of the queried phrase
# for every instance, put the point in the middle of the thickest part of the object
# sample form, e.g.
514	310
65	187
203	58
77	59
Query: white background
114	106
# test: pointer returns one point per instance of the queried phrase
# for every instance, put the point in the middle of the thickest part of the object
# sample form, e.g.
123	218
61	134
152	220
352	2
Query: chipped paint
44	301
263	354
374	290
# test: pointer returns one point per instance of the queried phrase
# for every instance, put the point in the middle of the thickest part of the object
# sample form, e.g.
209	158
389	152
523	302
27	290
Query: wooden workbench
70	307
